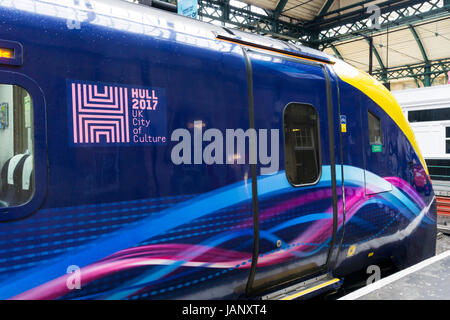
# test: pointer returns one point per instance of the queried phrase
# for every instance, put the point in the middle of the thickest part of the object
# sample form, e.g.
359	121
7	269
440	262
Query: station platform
441	188
442	191
427	280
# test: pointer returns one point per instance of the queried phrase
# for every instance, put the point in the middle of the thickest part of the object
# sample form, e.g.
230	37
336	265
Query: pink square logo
100	114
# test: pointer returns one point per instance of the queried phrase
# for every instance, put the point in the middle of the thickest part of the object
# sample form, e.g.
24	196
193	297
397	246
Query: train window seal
17	181
375	120
39	139
316	148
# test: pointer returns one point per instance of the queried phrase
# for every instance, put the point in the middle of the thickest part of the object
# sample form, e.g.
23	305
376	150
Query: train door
297	203
367	155
366	162
375	149
364	147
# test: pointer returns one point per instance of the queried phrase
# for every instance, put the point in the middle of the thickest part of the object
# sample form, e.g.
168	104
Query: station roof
417	42
405	45
414	35
298	9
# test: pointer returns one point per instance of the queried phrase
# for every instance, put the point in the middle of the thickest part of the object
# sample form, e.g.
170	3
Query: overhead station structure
402	43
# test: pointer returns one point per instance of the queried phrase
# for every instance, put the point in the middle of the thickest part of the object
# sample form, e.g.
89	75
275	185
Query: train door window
375	136
16	146
447	140
301	143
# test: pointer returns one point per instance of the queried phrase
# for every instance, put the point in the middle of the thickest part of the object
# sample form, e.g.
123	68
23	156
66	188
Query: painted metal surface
142	227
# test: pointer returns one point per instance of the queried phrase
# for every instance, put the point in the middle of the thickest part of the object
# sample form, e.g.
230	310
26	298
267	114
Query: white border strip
396	276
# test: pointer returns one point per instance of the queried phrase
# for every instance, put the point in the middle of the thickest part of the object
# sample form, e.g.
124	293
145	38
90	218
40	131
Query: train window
439	114
301	143
447	140
16	146
375	136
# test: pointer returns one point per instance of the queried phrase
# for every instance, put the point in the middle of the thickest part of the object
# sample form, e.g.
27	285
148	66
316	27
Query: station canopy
411	39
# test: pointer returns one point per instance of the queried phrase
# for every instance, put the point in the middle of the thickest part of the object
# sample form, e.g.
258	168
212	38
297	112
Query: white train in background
428	112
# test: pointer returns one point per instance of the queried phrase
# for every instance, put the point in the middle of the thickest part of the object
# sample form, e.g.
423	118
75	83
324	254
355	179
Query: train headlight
6	53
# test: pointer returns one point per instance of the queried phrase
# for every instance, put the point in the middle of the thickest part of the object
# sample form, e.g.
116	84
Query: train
146	155
426	110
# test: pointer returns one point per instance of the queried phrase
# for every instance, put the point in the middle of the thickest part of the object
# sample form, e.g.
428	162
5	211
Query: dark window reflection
429	115
374	129
301	130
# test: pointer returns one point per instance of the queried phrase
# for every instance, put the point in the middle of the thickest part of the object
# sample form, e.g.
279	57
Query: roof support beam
279	9
336	52
226	11
276	14
357	15
377	55
393	14
419	43
327	7
246	19
342	9
416	71
374	51
427	78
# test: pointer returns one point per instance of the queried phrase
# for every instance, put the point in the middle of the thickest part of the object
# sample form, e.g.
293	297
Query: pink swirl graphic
203	256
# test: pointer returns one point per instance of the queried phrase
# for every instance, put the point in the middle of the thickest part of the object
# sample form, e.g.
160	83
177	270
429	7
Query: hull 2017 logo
109	115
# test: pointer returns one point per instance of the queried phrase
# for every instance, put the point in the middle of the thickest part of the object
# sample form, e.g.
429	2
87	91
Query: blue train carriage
150	156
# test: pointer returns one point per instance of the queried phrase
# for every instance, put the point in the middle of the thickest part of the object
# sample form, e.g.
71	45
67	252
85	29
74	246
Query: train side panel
391	216
175	230
139	226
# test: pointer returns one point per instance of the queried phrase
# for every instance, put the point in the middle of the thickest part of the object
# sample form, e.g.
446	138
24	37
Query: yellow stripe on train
378	93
